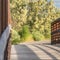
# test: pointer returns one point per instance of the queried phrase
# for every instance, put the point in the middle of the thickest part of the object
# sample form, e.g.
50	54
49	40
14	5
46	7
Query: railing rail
4	42
7	49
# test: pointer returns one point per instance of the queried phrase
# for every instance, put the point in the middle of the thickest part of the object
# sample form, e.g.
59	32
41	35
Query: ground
35	51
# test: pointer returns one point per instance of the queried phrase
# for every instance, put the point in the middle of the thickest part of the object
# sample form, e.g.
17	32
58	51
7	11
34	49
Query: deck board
35	51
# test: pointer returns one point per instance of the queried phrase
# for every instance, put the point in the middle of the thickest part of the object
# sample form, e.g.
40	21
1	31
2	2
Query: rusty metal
55	32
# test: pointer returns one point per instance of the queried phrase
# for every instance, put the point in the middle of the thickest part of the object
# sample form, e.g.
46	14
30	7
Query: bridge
42	50
26	51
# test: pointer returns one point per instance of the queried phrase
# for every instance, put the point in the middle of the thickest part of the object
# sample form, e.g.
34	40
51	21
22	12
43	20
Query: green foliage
18	13
15	37
41	14
38	36
25	34
37	15
25	31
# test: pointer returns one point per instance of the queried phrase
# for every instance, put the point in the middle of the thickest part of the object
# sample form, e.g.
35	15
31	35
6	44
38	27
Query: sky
57	3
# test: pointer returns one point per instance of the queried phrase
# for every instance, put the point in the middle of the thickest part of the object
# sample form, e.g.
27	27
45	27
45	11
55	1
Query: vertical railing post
5	35
7	22
0	17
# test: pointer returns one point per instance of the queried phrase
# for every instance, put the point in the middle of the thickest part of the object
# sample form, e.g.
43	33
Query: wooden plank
5	17
4	23
8	15
0	17
4	14
55	32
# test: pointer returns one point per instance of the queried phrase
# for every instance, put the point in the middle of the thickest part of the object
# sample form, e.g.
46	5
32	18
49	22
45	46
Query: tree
37	15
18	13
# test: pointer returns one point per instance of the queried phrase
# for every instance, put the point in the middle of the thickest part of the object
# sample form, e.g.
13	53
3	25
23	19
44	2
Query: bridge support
5	19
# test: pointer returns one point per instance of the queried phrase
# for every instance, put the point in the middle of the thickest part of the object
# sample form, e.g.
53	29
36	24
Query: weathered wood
55	31
3	41
0	17
7	22
8	15
4	14
35	51
5	19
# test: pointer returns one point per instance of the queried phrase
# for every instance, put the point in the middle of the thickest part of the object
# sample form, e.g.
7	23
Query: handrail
3	41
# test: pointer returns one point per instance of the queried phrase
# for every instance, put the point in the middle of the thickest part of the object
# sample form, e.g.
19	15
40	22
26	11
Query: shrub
48	35
38	36
25	33
15	37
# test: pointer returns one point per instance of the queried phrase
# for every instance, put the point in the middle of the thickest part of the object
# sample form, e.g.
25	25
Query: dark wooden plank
55	31
8	12
4	14
0	17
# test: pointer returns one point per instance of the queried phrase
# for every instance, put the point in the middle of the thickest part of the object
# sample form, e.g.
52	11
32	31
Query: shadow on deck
35	51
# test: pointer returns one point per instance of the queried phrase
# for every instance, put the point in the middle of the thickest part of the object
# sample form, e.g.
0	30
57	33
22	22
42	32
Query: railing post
7	22
5	18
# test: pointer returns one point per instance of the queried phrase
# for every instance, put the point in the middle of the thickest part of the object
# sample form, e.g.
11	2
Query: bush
25	33
48	35
37	36
15	37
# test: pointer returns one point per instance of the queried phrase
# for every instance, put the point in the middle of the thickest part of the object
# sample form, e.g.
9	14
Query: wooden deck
35	51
